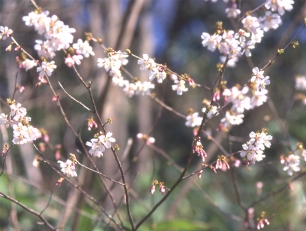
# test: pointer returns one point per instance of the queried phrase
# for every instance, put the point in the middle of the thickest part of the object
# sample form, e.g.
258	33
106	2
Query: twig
100	173
29	210
178	181
268	195
47	204
169	108
288	44
78	188
74	98
15	85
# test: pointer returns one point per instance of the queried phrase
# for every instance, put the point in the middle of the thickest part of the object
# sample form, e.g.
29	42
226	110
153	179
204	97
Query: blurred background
170	31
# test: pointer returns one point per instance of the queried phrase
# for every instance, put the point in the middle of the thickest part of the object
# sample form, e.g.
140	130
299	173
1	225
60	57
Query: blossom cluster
100	143
149	140
113	63
253	149
254	94
116	59
198	148
292	161
155	70
162	187
23	132
58	36
235	44
194	120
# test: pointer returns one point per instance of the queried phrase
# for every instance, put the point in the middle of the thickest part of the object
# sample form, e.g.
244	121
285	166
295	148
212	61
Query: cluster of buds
222	163
162	187
198	148
91	124
262	221
145	137
4	149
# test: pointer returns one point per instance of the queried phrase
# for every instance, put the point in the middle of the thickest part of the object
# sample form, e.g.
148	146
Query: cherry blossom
107	139
270	20
179	87
292	164
5	32
23	132
46	68
193	120
97	148
99	144
68	168
232	12
114	61
28	64
83	48
300	82
232	118
211	110
146	63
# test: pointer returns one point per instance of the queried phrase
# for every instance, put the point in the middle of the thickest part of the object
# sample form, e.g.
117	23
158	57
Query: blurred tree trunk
144	110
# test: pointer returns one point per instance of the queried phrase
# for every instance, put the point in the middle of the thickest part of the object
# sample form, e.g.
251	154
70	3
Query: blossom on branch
83	48
253	149
58	35
193	120
198	148
292	164
23	132
179	87
68	168
28	64
114	61
46	68
100	143
5	32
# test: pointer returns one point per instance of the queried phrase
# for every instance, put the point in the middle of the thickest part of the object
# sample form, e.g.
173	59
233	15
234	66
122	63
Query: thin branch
169	108
178	181
50	197
237	190
74	98
78	188
29	210
100	173
286	46
268	195
15	85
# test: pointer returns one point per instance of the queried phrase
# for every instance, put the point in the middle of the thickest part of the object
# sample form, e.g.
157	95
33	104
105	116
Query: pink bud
162	189
152	190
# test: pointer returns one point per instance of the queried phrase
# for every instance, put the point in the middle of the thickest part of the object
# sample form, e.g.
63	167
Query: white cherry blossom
68	168
179	87
193	120
46	68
